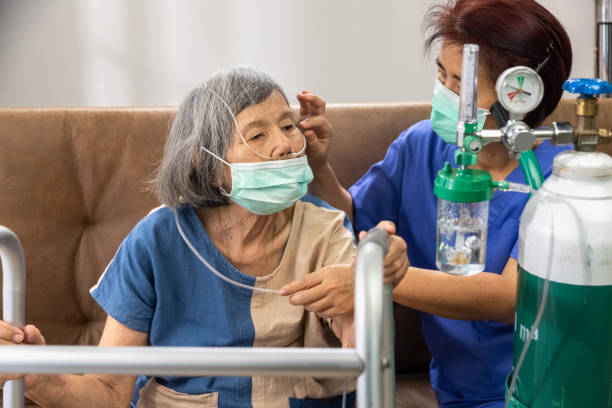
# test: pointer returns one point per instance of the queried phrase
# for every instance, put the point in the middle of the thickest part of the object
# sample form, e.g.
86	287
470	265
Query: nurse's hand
330	291
396	261
12	336
317	130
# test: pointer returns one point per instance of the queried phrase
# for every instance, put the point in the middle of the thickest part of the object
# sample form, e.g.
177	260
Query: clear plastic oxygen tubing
294	154
516	187
233	282
212	269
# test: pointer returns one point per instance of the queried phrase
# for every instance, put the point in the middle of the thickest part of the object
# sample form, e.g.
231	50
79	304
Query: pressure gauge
519	90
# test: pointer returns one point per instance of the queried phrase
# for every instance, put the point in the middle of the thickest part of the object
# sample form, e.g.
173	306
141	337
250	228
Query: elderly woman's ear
218	179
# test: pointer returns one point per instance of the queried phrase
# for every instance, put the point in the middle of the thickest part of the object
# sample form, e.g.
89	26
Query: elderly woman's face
269	129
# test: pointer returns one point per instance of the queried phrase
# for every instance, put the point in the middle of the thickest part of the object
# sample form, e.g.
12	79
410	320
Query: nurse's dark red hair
509	33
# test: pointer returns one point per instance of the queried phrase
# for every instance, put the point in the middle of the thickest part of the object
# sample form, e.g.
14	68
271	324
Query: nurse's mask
445	113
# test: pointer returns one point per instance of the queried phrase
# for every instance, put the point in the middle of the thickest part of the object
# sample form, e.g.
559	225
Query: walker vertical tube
13	303
370	336
388	348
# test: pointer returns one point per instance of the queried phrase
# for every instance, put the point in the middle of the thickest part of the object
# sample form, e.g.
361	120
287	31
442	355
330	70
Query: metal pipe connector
605	136
586	107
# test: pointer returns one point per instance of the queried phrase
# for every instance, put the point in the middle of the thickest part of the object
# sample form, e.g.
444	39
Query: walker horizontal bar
181	361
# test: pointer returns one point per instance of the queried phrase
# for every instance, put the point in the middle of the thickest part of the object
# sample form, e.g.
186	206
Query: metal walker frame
372	359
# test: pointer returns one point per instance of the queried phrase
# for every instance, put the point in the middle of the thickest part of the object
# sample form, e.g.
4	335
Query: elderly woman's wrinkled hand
328	291
396	261
12	336
316	128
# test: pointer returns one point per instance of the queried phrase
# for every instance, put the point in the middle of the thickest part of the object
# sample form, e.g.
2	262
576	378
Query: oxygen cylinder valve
587	136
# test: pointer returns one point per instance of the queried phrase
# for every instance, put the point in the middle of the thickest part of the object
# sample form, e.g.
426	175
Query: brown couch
71	188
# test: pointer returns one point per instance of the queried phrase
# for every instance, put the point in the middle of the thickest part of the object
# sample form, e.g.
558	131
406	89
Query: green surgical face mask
270	186
445	113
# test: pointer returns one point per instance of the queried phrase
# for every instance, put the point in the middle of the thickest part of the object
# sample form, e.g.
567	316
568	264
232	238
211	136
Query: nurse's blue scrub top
471	359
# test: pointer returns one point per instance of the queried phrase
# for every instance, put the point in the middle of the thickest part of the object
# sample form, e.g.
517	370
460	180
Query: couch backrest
71	188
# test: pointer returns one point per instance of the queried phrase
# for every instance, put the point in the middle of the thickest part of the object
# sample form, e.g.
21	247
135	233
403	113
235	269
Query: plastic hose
531	169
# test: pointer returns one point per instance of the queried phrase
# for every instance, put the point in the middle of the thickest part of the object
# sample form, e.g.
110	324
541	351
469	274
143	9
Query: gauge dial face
519	89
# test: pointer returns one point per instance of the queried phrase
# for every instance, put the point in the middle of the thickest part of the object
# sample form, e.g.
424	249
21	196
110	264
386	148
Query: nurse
467	321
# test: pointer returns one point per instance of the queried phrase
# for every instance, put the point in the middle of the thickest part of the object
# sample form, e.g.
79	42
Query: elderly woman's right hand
317	130
11	336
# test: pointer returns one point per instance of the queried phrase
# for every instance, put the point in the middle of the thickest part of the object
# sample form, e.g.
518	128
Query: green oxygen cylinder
565	236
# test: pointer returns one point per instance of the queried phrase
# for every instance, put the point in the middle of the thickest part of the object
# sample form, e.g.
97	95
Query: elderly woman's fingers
334	289
10	334
304	283
33	335
328	313
320	305
308	297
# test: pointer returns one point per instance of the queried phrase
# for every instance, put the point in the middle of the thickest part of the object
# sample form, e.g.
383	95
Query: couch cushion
71	182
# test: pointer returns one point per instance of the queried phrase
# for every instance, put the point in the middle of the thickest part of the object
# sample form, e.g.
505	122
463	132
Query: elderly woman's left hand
329	291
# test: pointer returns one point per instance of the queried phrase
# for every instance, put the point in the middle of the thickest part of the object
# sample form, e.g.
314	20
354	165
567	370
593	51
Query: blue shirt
156	285
471	359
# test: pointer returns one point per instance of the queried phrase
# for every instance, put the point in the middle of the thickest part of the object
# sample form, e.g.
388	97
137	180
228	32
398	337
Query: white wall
152	52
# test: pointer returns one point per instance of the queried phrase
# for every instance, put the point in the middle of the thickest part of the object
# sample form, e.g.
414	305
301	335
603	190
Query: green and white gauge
519	90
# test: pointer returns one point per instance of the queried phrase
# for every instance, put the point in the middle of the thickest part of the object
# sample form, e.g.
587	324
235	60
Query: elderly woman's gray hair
187	174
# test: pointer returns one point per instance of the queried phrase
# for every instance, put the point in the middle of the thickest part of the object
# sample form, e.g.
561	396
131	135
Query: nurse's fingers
317	123
397	273
316	104
387	226
10	334
304	105
304	283
397	250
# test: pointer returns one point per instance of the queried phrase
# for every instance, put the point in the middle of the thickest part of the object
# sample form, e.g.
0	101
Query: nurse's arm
326	186
91	390
318	131
485	296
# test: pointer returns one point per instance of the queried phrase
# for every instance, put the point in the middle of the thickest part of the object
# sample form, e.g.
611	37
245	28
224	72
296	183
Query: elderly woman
205	268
